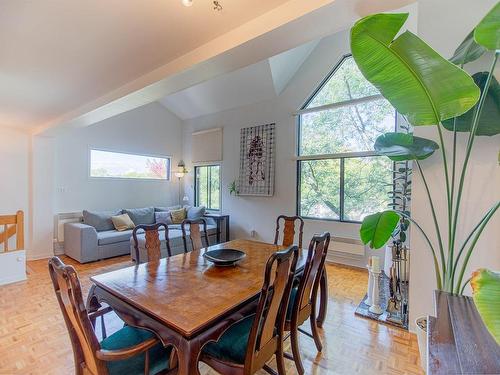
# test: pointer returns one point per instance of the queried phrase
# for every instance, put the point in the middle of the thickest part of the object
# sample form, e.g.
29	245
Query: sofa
95	238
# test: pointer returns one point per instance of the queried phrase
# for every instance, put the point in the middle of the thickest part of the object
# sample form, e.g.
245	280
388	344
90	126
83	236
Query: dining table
188	301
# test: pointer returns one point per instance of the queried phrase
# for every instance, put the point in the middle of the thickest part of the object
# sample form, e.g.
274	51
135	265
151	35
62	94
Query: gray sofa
95	237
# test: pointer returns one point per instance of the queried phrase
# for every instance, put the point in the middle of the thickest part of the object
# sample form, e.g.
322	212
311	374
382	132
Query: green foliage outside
341	130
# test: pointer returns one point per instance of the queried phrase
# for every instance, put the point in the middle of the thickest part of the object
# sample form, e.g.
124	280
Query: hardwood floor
33	337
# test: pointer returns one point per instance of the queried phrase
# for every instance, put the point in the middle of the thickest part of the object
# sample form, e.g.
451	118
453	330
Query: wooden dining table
186	300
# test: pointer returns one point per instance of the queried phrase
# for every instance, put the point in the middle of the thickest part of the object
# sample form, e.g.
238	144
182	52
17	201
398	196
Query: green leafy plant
486	293
233	189
428	90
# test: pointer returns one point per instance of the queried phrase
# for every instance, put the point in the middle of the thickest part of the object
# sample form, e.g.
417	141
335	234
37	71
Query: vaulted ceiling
56	55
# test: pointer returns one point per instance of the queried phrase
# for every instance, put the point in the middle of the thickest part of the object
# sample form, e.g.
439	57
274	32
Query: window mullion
341	192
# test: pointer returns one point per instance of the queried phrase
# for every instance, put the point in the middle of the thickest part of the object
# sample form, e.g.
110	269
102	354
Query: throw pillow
178	215
141	215
163	217
194	213
101	221
122	222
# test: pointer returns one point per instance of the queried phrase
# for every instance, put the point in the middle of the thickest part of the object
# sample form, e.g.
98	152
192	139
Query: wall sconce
181	170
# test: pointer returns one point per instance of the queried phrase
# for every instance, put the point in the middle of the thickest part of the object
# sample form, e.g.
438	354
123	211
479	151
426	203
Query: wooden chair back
196	234
12	225
268	325
81	332
152	241
310	280
289	230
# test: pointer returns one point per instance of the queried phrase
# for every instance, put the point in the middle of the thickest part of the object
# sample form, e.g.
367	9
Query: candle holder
375	307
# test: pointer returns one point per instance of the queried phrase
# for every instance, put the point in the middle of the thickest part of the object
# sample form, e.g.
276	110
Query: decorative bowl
224	257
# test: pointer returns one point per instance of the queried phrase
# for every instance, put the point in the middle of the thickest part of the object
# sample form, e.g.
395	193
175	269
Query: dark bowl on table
224	257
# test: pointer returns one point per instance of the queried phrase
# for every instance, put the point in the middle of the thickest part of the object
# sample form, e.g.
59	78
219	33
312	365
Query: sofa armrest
80	242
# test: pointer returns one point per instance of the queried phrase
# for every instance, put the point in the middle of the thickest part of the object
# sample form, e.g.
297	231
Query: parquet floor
33	337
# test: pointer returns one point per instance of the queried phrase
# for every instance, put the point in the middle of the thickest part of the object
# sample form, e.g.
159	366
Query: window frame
195	190
341	156
89	162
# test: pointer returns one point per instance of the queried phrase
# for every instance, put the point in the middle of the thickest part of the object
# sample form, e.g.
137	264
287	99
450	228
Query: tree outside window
340	177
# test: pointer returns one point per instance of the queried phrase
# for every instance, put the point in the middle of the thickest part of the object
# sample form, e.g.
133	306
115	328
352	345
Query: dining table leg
188	355
323	299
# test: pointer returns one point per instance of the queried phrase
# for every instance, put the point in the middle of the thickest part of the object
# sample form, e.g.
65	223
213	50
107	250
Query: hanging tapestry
257	145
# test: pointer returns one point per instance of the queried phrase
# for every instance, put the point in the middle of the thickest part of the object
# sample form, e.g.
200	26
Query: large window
340	177
120	165
207	186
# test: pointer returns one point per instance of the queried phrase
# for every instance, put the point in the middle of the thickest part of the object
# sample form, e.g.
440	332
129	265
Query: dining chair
152	242
303	297
196	234
248	344
289	230
130	350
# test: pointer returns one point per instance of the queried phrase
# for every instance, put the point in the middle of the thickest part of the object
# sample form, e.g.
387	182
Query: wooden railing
12	225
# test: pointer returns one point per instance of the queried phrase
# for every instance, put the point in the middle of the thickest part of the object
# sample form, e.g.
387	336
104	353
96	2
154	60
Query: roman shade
206	145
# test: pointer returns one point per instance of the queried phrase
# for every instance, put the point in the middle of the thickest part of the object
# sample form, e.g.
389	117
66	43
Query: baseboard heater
346	247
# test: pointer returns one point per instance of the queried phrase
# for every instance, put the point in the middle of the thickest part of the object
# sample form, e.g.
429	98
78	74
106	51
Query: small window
207	187
107	164
340	177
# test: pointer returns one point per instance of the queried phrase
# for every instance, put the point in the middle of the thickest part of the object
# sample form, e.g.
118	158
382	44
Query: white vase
422	340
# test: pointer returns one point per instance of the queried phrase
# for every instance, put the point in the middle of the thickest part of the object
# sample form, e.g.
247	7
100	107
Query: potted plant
428	90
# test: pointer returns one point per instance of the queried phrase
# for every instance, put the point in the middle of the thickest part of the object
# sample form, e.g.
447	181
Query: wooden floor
33	337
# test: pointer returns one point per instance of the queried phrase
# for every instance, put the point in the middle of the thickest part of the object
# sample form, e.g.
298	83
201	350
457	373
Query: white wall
259	213
444	24
149	130
14	164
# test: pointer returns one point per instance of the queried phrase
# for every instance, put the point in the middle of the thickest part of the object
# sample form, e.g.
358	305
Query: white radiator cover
347	246
63	218
12	266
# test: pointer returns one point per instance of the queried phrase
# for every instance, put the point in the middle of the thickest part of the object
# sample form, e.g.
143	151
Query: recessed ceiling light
187	3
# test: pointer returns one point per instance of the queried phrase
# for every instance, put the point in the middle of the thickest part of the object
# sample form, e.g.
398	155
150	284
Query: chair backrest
271	309
12	225
83	339
152	242
196	234
289	230
310	280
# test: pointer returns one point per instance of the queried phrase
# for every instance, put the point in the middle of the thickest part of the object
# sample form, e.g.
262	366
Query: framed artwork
257	160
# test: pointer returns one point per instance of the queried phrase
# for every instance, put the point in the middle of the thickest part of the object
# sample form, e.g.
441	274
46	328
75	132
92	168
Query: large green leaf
418	82
486	293
487	33
467	51
401	146
489	122
376	229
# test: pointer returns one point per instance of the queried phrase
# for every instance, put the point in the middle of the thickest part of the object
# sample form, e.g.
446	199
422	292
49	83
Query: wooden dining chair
302	305
289	230
248	344
196	234
152	242
130	350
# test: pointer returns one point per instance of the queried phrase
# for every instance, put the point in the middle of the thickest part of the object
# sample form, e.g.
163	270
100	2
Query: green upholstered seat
293	295
232	345
129	336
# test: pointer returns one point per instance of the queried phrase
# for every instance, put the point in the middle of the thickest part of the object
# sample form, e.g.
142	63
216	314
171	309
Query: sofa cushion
122	222
113	236
167	209
141	215
101	221
163	217
194	213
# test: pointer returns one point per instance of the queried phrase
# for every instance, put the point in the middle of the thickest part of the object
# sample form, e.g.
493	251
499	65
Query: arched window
340	177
